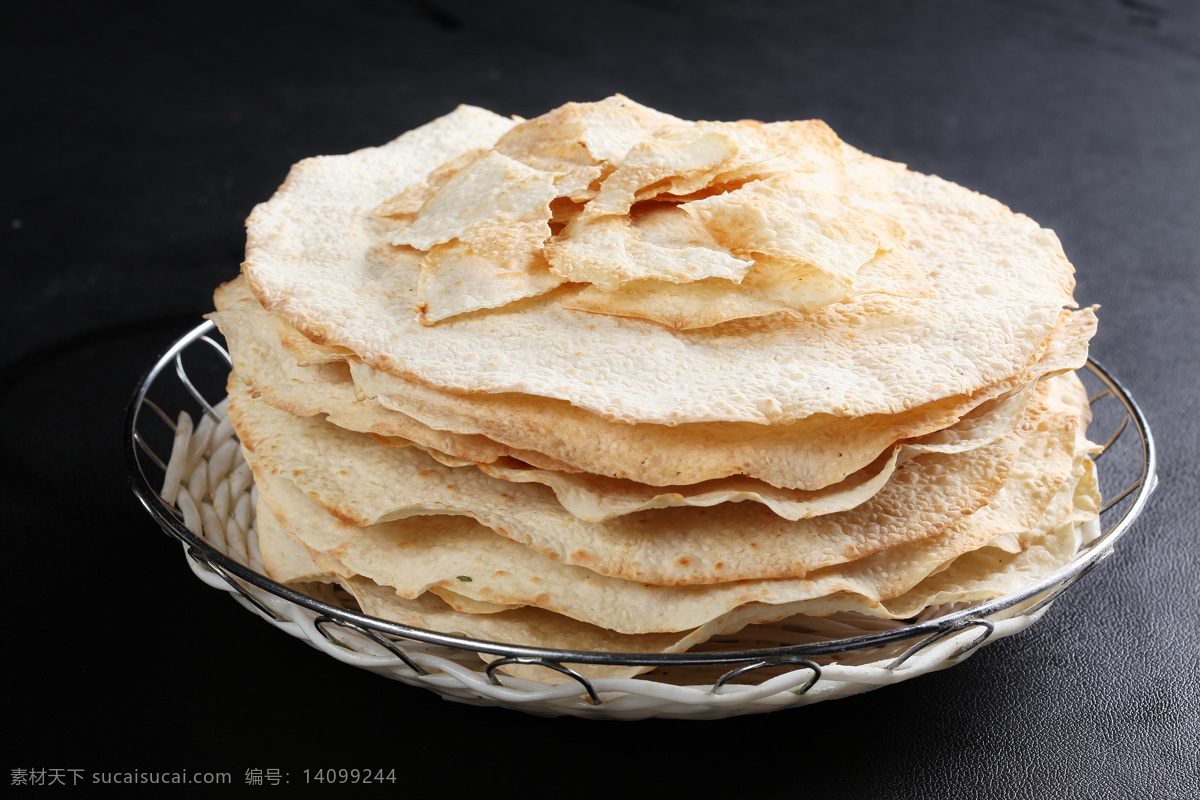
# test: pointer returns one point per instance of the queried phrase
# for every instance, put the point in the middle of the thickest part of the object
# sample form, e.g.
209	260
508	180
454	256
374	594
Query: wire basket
207	503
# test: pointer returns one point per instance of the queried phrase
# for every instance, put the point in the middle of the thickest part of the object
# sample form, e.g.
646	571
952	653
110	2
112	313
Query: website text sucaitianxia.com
82	777
254	776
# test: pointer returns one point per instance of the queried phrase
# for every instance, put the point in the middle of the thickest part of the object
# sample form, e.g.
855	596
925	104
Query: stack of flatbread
607	379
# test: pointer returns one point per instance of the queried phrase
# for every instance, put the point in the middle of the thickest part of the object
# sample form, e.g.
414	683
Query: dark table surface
137	137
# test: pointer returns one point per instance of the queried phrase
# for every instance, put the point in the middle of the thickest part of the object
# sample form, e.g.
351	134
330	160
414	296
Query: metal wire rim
935	629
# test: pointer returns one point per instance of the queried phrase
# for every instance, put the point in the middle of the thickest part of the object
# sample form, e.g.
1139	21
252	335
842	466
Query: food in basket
609	379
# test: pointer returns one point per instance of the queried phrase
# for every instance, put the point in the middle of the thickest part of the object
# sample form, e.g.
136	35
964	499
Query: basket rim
976	614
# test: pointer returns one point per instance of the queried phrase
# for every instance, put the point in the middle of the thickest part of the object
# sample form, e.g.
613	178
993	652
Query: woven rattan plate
186	468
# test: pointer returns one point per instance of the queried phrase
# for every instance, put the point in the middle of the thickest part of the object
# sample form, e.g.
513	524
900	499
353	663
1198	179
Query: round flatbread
319	256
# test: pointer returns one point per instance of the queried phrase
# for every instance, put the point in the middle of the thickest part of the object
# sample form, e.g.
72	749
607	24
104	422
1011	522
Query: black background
137	137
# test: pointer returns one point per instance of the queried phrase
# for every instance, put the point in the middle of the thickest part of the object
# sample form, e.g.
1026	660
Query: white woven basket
207	500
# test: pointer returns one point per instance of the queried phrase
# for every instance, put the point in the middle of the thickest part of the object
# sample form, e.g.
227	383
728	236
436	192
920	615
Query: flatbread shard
770	286
610	251
498	207
984	297
583	136
455	280
682	160
794	219
406	205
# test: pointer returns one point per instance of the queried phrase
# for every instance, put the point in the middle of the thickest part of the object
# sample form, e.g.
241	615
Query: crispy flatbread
808	453
318	256
456	553
323	388
362	483
615	381
975	576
